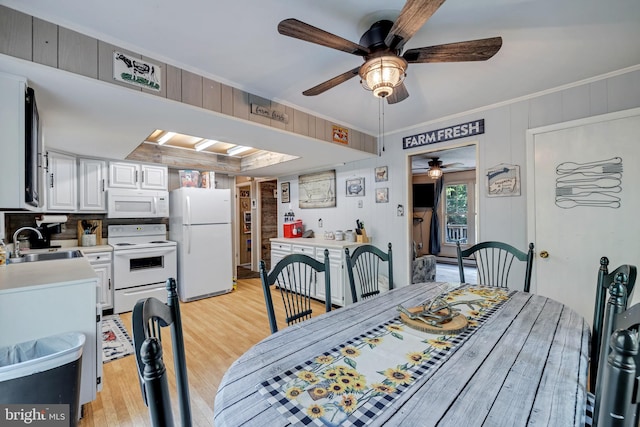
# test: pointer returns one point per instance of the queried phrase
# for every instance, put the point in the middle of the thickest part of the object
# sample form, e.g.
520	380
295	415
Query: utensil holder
88	240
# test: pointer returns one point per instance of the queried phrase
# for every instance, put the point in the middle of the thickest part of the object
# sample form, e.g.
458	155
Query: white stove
143	260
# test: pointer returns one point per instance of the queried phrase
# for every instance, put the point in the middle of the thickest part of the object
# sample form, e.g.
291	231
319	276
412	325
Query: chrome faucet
16	244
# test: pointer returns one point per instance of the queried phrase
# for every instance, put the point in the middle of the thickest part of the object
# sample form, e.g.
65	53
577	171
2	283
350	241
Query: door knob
544	254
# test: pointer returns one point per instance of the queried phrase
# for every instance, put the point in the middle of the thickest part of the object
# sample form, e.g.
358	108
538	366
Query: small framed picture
355	187
382	195
382	173
284	192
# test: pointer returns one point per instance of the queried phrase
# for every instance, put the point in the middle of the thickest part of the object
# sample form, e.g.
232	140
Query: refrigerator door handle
188	203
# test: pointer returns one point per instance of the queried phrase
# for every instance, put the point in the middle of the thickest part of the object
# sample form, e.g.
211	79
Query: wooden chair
605	279
148	317
494	261
295	276
617	393
365	261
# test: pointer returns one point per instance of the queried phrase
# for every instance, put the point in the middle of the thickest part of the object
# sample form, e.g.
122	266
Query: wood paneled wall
269	218
55	46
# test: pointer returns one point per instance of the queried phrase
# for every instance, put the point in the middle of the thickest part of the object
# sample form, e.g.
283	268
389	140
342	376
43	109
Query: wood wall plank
191	89
227	100
77	53
211	95
15	33
241	108
45	43
300	122
290	113
174	83
162	93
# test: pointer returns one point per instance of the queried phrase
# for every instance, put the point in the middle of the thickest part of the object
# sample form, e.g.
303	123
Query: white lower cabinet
101	263
340	293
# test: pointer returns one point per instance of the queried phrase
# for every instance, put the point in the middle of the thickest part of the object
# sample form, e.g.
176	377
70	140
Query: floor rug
246	273
116	342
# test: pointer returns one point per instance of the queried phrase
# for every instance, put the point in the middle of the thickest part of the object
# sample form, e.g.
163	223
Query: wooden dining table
525	365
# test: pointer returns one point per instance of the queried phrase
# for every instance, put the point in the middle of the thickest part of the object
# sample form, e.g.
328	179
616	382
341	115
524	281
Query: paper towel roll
51	219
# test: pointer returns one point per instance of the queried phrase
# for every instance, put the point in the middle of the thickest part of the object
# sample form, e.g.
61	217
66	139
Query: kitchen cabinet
61	181
101	263
314	247
91	183
137	176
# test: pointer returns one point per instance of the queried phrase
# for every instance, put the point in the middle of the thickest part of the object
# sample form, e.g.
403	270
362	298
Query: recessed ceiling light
167	136
205	143
233	151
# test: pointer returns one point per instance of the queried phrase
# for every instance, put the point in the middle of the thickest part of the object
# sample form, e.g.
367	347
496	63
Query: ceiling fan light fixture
380	75
435	171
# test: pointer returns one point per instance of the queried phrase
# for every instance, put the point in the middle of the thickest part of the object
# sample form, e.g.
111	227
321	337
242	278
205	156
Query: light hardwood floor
217	331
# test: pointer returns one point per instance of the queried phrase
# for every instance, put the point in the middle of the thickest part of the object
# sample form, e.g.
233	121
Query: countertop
315	241
14	277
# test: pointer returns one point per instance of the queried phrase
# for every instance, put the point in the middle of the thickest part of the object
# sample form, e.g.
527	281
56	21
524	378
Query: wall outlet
359	203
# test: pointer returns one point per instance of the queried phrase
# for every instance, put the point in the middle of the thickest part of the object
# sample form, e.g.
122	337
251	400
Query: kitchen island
314	247
39	299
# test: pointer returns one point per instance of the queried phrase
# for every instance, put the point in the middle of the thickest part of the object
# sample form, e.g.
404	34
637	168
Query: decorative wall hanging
134	71
284	191
382	173
317	190
382	195
594	184
503	180
340	134
355	187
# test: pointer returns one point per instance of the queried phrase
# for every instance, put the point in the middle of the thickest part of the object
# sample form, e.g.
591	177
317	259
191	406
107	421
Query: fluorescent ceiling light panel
167	136
205	143
233	151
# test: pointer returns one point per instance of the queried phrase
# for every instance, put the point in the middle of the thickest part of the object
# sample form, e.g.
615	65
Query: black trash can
43	372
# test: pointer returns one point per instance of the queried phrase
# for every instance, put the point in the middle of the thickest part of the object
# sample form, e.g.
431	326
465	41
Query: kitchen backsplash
13	221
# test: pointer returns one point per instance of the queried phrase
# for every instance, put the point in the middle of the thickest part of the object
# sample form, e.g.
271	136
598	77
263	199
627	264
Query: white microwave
137	203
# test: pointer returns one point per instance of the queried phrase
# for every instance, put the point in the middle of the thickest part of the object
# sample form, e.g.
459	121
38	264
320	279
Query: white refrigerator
200	222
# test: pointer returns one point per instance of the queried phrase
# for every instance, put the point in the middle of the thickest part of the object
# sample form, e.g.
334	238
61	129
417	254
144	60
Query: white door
583	204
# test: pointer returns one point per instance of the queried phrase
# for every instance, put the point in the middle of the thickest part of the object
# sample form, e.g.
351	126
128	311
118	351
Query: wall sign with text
463	130
135	71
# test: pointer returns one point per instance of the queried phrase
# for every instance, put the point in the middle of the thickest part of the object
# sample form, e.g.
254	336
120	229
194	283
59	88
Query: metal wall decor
317	190
382	195
382	173
284	192
593	184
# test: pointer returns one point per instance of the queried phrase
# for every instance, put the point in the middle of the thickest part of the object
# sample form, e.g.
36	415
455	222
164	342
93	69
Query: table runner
353	382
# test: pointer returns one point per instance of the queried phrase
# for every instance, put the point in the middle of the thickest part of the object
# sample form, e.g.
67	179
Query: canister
339	235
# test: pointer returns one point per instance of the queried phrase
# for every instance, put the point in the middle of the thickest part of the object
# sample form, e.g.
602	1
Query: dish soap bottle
3	253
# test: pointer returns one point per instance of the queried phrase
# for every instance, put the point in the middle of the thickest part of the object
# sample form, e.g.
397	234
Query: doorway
456	204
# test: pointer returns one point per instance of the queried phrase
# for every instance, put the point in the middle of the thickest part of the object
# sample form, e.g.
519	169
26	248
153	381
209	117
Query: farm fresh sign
134	71
475	127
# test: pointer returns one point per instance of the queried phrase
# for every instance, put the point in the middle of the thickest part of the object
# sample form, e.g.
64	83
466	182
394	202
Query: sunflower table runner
350	384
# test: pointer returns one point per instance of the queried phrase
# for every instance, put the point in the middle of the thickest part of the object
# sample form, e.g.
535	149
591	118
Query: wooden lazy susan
456	325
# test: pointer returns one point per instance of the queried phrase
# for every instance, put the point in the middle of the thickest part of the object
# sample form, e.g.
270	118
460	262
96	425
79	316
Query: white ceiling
546	44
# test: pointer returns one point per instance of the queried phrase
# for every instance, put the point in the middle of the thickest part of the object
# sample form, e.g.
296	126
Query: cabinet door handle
103	185
136	176
143	176
51	180
109	284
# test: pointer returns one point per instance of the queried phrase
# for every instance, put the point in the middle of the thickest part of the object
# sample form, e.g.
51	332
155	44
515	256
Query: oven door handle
188	203
143	253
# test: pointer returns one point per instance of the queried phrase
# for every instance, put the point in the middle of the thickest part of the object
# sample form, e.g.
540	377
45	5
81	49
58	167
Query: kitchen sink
47	256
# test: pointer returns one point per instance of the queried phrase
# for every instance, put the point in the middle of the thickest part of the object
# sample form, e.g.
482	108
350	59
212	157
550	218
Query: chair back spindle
364	270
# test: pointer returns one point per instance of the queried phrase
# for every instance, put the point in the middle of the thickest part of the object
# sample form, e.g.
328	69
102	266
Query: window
456	213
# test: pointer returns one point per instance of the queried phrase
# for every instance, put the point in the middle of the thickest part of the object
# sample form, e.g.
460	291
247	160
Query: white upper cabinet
137	176
92	183
62	187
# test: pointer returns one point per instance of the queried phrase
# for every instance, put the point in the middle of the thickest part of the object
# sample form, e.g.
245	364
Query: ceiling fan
381	47
435	169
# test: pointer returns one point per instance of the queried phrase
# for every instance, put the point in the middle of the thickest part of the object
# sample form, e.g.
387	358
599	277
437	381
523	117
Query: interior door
583	204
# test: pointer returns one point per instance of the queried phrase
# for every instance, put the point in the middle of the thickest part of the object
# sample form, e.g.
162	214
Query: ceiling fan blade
399	93
472	50
299	30
322	87
412	17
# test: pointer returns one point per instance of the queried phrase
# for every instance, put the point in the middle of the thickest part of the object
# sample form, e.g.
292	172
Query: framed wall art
355	187
382	195
284	191
317	190
503	181
382	173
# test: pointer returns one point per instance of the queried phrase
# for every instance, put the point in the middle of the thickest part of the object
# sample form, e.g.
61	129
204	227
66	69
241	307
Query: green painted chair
366	261
295	277
626	275
149	316
494	261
